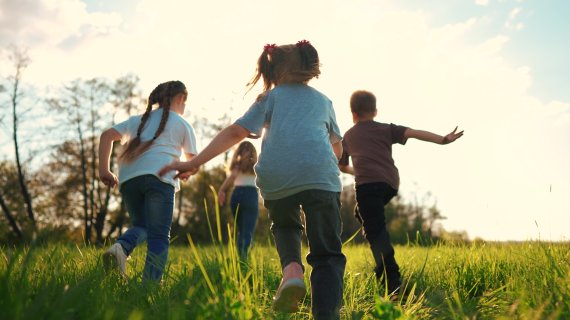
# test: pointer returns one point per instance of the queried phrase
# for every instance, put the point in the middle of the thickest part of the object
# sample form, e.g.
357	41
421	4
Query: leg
287	229
159	206
248	201
133	197
324	227
371	199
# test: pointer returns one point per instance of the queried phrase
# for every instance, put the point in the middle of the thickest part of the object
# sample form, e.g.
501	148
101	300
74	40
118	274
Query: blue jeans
245	207
323	229
150	203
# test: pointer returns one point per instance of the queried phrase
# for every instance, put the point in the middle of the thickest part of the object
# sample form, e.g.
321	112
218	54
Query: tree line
49	189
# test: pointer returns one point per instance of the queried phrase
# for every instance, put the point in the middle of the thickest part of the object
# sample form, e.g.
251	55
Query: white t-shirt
178	136
244	180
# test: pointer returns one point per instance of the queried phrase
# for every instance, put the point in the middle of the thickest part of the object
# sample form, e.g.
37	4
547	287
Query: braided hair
163	95
291	63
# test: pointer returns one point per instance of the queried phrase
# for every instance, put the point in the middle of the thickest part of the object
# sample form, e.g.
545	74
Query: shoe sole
290	295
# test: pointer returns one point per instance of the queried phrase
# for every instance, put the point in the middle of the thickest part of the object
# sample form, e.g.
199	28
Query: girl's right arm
227	183
105	147
221	142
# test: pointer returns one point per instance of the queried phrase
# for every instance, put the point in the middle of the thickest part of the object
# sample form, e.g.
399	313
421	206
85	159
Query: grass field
481	281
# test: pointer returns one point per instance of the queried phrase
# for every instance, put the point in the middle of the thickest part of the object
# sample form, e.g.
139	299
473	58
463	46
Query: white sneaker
115	258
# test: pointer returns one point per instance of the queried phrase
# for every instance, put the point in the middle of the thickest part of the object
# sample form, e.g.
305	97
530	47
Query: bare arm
432	137
105	147
221	142
337	149
225	185
184	176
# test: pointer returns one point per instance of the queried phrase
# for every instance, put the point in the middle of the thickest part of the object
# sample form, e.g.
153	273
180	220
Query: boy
369	143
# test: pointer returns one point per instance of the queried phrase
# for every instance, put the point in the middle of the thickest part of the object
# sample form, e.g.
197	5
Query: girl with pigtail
155	138
296	169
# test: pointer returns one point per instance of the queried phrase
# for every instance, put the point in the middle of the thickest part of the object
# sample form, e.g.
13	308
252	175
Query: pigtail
264	69
309	61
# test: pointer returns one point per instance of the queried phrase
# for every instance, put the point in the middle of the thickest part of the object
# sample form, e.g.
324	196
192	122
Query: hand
183	168
221	198
108	178
452	136
185	175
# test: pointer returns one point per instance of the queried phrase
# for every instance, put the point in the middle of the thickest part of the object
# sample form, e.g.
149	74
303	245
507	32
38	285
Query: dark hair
239	159
163	95
291	63
363	103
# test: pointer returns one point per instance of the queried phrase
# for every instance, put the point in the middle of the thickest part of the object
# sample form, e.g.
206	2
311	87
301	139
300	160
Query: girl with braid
296	169
155	139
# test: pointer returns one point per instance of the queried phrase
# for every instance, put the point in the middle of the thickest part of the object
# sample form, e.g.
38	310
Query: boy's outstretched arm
105	147
221	142
432	137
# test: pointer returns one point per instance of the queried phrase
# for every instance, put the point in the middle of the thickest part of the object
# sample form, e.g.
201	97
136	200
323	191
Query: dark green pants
323	228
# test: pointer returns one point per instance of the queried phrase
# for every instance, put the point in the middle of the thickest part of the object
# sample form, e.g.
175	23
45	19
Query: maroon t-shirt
369	143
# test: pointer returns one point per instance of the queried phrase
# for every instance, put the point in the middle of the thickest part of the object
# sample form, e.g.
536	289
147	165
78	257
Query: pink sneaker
291	290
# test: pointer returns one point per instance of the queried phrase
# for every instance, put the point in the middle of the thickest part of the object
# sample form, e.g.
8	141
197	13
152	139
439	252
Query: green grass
482	281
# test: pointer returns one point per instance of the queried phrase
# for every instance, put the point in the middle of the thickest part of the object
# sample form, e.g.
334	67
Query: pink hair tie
302	43
269	48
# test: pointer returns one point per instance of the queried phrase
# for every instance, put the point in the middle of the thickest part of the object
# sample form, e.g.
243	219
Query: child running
155	139
297	169
369	143
245	200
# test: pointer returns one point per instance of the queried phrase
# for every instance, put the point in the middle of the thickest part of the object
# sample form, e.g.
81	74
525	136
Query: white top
244	180
178	136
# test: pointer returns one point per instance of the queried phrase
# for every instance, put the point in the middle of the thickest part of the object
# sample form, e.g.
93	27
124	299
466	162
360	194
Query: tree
7	178
21	60
81	101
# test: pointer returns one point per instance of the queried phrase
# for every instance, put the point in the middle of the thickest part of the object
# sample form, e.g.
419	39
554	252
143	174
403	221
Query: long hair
163	95
244	158
291	63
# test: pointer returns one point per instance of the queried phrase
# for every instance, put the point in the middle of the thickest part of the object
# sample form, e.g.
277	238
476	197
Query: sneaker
289	295
115	258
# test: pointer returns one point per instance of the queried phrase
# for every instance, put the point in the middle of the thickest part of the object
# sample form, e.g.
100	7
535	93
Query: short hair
363	103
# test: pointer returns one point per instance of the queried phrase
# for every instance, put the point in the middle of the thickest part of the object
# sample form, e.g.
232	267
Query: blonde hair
290	63
244	158
163	95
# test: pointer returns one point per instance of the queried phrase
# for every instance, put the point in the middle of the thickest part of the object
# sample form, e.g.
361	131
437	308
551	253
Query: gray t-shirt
369	143
298	125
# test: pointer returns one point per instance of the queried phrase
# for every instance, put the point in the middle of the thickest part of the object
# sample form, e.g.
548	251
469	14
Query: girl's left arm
337	149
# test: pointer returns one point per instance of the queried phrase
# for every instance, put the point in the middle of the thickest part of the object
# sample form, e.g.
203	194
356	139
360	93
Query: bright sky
496	68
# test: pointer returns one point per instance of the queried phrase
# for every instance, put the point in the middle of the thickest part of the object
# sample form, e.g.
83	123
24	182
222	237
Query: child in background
369	143
244	201
297	168
156	138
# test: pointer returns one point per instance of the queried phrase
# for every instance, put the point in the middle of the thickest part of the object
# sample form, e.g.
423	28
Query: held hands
185	169
452	136
108	178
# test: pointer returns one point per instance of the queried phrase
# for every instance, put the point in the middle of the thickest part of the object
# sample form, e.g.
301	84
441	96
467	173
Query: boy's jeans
323	228
370	201
150	203
245	203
